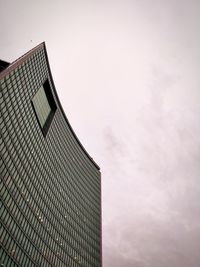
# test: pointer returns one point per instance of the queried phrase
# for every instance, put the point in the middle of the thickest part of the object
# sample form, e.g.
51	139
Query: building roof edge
61	108
24	57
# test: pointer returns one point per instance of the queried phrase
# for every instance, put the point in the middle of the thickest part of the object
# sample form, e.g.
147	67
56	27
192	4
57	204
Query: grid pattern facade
50	188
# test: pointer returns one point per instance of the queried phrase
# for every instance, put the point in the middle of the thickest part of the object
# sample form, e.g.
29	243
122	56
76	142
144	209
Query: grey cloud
154	244
113	144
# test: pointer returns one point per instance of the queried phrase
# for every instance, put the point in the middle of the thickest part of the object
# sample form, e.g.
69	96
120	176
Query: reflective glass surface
41	106
50	189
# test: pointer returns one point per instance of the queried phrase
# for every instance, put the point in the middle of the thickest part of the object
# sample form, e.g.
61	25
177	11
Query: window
41	106
44	106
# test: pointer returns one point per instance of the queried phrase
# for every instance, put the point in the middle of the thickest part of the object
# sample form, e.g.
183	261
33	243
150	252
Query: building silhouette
50	187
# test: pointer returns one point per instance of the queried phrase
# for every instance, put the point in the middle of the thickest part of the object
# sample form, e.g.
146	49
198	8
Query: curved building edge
19	61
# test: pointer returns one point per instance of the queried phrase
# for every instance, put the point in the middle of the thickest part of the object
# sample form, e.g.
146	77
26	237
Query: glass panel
41	105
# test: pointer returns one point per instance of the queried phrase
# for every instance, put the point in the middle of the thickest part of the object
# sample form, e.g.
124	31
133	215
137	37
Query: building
50	187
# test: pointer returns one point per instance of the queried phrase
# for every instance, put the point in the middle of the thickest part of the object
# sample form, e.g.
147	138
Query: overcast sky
127	74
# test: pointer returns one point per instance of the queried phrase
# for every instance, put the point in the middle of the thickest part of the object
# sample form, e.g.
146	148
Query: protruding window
44	106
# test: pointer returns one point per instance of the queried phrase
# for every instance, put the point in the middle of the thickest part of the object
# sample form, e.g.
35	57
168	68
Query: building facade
50	187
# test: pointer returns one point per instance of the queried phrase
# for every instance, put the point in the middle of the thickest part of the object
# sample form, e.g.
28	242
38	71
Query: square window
44	106
41	105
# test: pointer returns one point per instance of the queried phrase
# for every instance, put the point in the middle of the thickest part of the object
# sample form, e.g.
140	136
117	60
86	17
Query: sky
127	75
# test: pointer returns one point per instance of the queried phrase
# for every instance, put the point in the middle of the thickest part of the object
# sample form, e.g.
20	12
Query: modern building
50	187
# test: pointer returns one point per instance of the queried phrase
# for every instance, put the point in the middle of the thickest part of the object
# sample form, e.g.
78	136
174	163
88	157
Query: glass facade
50	188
